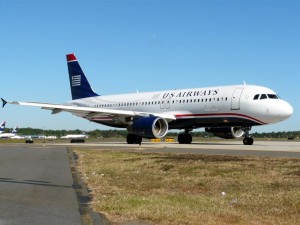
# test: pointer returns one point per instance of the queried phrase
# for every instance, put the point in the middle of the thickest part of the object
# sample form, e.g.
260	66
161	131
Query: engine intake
149	127
226	132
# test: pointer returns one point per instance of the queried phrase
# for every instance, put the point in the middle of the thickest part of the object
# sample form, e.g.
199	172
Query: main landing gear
134	139
185	138
248	140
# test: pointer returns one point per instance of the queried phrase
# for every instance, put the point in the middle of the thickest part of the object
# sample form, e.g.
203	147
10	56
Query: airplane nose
286	110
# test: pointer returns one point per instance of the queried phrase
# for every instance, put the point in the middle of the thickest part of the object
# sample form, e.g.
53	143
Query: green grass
186	189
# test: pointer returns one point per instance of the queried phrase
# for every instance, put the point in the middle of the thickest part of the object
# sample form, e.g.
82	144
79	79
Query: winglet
3	102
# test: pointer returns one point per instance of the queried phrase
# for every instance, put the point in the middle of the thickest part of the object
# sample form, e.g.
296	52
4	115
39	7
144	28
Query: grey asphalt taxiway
285	149
37	185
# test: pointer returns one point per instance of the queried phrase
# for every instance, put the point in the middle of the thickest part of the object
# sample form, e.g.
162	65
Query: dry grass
187	189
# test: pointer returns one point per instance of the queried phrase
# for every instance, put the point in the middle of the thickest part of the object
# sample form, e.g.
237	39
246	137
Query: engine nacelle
226	132
149	127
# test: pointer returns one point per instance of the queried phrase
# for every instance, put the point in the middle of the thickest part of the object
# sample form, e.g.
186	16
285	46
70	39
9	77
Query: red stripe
71	57
219	115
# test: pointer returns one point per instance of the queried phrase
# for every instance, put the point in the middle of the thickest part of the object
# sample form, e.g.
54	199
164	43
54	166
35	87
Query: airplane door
235	99
162	104
168	103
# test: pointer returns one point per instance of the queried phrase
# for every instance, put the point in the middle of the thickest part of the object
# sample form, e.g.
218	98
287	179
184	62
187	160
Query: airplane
74	136
12	135
225	111
2	127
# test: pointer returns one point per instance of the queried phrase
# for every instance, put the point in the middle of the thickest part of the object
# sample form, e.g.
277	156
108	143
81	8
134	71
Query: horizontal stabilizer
3	102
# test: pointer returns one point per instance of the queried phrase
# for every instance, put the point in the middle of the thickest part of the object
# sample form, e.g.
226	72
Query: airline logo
76	80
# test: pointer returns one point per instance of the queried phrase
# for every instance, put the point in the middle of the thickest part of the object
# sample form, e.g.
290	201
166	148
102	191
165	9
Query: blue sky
124	46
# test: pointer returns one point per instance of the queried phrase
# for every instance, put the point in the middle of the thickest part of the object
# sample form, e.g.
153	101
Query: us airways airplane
13	134
225	111
74	136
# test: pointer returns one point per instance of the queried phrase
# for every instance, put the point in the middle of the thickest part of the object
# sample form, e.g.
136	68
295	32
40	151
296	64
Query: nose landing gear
248	140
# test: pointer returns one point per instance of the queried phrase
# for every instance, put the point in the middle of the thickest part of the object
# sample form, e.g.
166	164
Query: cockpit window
256	97
263	96
272	96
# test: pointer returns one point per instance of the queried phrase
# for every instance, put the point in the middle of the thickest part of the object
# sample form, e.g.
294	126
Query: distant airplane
74	136
2	127
225	111
12	135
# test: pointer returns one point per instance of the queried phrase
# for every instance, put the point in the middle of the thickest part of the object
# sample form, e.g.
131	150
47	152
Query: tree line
123	133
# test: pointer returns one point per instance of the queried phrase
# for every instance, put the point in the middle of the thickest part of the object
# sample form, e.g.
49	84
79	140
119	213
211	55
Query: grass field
173	189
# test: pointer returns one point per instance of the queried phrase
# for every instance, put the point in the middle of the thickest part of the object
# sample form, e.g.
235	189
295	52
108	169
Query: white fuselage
7	135
74	136
198	107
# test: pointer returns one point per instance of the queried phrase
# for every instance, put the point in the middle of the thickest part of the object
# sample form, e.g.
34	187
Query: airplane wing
57	108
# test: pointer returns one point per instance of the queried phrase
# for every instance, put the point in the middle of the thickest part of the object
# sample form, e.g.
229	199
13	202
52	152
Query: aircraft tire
130	139
248	141
180	138
189	139
185	139
134	139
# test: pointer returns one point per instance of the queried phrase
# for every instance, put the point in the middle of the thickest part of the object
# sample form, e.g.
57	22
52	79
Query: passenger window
256	97
263	96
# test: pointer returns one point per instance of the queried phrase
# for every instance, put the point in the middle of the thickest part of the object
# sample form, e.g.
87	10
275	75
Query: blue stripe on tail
80	87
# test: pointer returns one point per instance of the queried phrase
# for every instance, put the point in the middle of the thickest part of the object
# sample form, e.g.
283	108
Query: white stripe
76	80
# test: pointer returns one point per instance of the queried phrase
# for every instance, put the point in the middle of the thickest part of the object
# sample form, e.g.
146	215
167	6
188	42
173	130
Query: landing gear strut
248	140
134	139
185	138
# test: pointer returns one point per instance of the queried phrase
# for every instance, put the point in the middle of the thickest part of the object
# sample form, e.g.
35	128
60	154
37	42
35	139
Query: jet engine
149	127
226	132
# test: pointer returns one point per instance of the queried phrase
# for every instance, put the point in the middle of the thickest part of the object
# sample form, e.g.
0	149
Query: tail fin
80	87
2	127
15	130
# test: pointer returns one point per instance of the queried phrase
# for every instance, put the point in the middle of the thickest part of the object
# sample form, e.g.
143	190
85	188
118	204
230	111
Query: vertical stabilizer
2	127
80	87
15	130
